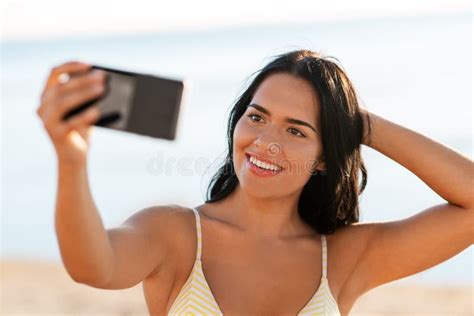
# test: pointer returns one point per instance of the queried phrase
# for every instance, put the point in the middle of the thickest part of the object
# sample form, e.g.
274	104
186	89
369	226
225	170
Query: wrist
367	126
65	163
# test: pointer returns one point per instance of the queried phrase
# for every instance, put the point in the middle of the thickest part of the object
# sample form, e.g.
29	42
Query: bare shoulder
167	227
164	217
354	235
169	211
167	221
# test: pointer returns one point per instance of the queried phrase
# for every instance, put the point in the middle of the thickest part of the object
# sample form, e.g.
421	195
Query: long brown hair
327	201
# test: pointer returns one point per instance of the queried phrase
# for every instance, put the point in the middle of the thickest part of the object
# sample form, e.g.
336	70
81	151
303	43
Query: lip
259	171
249	154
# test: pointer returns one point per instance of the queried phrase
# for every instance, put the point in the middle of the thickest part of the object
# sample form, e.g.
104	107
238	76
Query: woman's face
281	126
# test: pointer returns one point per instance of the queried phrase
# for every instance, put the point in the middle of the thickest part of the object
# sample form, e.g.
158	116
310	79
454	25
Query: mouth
262	170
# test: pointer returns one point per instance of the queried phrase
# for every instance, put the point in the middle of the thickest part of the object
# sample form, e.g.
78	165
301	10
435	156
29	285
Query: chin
259	191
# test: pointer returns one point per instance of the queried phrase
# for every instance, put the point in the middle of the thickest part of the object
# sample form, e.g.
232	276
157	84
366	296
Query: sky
48	19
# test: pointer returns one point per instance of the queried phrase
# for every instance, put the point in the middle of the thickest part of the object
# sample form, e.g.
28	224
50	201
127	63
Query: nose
268	141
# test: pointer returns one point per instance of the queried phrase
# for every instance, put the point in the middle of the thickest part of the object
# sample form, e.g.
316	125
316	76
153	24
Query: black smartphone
138	103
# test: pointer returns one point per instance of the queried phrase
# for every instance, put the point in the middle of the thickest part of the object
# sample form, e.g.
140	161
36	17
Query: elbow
97	280
99	283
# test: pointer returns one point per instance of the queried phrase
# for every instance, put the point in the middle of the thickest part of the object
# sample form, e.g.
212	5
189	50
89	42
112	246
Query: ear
320	164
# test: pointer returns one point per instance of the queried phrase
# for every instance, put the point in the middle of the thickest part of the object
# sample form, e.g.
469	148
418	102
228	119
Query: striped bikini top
196	298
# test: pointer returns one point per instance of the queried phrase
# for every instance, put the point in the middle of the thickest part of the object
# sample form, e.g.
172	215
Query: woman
279	232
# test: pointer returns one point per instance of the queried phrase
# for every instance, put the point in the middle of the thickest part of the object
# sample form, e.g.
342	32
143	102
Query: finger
55	114
72	68
87	118
95	77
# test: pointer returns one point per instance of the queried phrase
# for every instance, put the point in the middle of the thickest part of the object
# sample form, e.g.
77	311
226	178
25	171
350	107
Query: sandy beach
42	288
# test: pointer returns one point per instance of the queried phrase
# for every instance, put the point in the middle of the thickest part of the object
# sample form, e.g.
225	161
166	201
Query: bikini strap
198	234
324	255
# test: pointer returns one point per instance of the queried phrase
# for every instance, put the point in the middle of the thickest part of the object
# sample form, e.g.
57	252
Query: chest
262	285
248	276
245	277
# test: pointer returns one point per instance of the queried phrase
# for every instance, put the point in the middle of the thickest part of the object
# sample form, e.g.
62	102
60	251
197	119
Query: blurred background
411	62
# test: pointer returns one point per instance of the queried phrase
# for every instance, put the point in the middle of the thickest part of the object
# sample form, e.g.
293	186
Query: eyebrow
287	119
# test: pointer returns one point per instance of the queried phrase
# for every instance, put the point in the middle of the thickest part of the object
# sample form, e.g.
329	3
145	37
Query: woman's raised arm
113	258
397	249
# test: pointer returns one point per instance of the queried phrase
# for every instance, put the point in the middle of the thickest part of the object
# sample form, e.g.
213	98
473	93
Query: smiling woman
323	134
279	232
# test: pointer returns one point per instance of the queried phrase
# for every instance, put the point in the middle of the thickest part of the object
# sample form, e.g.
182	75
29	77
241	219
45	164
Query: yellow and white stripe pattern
196	298
322	302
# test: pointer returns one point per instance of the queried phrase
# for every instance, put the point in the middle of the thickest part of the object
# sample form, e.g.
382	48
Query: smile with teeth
264	165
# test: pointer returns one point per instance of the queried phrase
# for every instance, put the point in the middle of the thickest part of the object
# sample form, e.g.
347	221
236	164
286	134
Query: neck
265	218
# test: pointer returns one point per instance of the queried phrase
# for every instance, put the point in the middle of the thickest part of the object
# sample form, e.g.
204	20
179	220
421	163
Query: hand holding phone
138	103
70	138
116	99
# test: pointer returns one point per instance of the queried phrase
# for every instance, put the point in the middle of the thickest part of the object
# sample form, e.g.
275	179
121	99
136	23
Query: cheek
242	139
300	157
243	135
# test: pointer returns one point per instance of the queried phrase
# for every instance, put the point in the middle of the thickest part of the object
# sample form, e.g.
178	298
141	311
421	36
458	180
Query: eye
254	115
299	134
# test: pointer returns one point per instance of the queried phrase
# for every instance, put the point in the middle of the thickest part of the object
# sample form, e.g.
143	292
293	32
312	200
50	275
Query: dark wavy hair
327	201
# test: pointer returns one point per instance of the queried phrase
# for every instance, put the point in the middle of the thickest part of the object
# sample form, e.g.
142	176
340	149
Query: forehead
286	95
